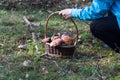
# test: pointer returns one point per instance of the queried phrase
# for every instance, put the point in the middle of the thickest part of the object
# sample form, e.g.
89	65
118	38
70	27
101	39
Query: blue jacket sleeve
97	10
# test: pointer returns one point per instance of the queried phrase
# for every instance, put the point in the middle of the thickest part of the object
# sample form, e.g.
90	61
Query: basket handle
46	25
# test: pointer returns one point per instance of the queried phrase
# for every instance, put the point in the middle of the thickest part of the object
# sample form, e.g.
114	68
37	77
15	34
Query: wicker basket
60	51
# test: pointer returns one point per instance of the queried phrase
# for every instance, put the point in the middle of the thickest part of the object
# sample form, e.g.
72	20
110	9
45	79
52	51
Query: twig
101	76
62	73
117	47
44	54
33	33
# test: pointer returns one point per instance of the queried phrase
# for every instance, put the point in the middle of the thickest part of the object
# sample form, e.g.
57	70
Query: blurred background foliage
41	4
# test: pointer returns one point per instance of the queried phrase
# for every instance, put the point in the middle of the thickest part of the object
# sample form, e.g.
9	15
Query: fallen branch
31	26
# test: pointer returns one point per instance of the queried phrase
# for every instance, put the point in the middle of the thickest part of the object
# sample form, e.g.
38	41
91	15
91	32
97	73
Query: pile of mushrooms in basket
59	39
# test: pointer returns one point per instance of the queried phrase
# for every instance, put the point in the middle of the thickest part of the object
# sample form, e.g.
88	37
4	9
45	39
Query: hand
65	13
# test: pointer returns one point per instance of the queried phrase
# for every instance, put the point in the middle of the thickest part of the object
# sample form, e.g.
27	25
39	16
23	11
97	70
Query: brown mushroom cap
67	39
56	42
46	40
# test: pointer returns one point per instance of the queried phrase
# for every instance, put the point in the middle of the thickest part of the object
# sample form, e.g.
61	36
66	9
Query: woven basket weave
60	51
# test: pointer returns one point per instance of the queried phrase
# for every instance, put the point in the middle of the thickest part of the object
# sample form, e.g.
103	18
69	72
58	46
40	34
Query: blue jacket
98	9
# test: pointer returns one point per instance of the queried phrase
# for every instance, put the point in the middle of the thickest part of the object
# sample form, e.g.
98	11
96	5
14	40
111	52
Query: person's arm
97	10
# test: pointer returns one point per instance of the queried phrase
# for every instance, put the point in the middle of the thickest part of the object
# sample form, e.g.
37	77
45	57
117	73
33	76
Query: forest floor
90	62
